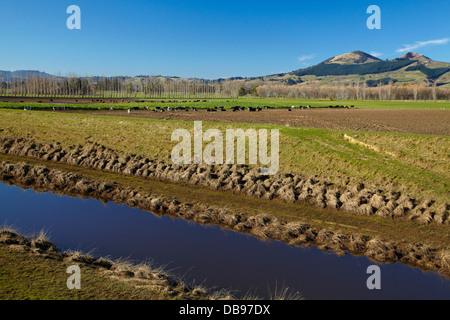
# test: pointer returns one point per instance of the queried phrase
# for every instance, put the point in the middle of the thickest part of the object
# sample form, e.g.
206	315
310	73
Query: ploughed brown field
430	122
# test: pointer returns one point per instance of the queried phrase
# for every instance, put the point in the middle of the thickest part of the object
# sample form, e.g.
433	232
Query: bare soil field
429	122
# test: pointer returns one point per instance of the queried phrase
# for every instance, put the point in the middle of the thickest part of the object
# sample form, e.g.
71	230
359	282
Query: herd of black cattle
214	109
234	108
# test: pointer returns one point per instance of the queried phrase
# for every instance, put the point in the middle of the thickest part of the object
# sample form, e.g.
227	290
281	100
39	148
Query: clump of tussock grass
104	262
146	272
124	267
42	236
222	294
8	228
10	235
380	251
78	256
260	232
143	271
284	293
444	256
41	241
196	289
250	295
199	290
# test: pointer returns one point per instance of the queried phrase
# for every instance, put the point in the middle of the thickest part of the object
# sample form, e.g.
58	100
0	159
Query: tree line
353	92
160	87
118	87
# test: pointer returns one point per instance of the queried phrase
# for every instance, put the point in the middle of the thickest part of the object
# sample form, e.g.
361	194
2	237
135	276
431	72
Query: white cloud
376	54
306	57
419	44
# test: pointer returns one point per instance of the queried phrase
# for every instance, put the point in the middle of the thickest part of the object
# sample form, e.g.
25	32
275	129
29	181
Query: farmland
431	122
398	152
417	163
46	103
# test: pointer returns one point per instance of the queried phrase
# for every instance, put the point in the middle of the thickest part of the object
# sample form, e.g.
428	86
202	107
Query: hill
22	74
360	67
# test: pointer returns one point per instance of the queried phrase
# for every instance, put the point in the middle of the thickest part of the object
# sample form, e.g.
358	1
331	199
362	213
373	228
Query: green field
245	102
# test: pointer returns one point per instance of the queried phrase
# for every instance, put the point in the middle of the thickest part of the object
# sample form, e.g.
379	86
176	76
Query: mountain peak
355	57
414	56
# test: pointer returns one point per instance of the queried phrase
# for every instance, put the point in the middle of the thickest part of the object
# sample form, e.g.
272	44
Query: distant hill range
23	74
358	66
349	68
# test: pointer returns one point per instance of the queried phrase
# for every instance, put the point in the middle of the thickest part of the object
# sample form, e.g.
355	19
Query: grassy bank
33	269
415	164
24	275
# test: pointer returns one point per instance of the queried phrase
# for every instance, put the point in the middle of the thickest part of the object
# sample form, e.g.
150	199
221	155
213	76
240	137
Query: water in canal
210	255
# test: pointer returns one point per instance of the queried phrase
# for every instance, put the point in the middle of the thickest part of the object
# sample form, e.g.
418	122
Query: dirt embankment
263	226
292	188
142	275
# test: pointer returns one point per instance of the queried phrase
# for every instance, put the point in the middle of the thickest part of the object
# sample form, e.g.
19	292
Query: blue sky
211	39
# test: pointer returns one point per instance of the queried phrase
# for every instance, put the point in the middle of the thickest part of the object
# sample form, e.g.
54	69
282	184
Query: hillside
337	69
360	67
